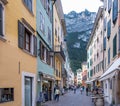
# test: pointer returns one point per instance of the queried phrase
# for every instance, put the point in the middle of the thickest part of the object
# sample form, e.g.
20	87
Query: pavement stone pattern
71	99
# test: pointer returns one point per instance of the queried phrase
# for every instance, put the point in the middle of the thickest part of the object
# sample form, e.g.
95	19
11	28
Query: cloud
80	5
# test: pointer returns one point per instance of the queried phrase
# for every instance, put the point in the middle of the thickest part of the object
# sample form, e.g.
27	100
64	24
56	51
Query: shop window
6	94
28	91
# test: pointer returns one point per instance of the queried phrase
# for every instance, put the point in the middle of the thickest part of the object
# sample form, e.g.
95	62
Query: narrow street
71	99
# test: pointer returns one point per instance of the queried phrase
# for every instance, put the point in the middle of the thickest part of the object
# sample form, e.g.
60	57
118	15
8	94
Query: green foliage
76	55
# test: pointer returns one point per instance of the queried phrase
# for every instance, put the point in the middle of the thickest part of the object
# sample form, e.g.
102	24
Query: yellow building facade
58	40
17	52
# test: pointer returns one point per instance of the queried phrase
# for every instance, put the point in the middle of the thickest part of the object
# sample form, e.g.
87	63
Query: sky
80	5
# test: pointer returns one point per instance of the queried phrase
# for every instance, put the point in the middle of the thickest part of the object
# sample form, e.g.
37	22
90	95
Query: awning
90	81
111	70
47	76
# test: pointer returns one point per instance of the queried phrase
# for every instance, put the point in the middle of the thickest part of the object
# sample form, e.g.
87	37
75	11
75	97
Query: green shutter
21	32
115	46
1	20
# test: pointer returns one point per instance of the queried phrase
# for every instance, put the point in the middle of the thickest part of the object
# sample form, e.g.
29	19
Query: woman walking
81	89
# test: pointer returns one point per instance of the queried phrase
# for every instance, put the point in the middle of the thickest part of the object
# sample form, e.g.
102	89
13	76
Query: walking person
81	90
74	89
86	91
57	93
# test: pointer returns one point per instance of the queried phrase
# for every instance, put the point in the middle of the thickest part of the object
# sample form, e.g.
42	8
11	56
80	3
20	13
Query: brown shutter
21	32
41	50
35	46
1	20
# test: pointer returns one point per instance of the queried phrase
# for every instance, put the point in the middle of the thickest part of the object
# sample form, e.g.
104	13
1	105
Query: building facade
84	73
18	53
45	64
79	77
59	32
111	76
95	46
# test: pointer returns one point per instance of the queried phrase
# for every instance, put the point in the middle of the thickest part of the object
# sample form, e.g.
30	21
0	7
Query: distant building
95	51
79	77
84	73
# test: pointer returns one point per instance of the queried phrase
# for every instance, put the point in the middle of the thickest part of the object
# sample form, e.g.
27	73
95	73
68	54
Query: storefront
45	87
111	83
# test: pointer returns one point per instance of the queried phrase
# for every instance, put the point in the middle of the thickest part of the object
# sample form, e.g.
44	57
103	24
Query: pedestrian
86	91
81	89
57	93
74	89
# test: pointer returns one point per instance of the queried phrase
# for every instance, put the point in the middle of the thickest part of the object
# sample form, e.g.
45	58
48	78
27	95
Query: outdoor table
98	99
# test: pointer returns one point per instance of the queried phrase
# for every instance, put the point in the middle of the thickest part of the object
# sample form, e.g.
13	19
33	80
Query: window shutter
105	24
119	39
21	32
1	20
104	43
109	56
109	29
109	5
115	46
115	10
40	50
35	46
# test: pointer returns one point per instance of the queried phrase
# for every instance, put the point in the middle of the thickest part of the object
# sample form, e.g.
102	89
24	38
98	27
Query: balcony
59	52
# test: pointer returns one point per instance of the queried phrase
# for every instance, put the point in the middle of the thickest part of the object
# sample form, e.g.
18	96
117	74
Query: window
45	55
28	3
6	94
26	40
42	23
55	27
109	29
104	43
59	74
105	4
115	11
109	5
49	35
105	23
115	46
109	56
91	73
28	91
1	19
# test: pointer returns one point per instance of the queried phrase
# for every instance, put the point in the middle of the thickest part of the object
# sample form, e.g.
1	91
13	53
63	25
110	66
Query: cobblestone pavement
71	99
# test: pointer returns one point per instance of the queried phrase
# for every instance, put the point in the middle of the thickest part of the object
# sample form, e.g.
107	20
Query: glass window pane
28	91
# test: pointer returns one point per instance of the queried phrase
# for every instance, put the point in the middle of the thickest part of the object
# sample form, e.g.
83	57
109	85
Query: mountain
79	26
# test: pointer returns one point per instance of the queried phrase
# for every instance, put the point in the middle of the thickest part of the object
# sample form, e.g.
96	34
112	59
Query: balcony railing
59	50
